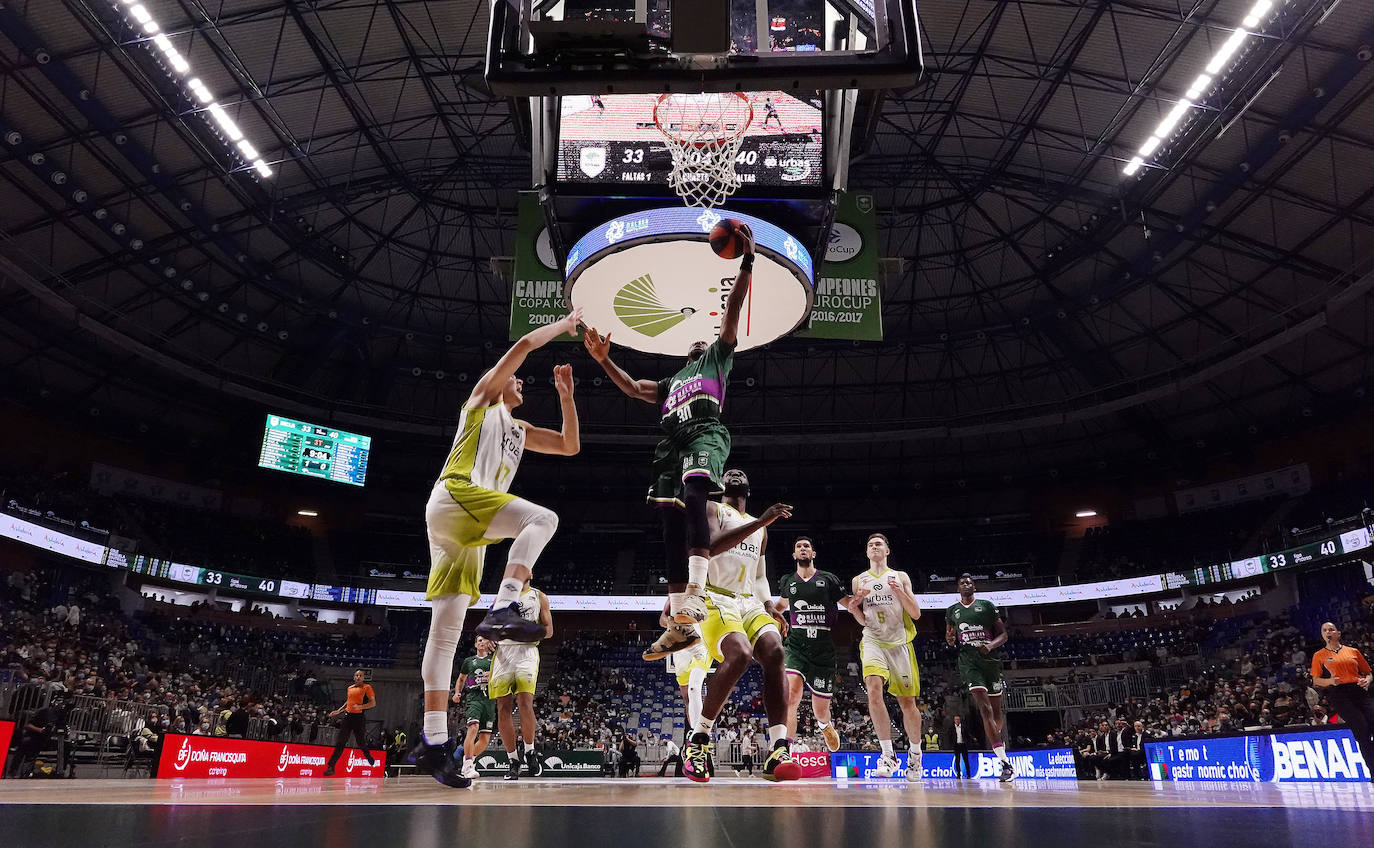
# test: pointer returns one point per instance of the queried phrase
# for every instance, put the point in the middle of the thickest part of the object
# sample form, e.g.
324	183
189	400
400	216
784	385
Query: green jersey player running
479	709
975	627
690	458
808	597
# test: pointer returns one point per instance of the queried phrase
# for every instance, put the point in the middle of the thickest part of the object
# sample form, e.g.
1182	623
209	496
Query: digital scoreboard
314	451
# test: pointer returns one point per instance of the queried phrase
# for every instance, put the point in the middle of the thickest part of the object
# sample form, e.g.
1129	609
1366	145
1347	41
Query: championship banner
536	298
216	756
556	763
1040	763
1312	756
848	302
6	735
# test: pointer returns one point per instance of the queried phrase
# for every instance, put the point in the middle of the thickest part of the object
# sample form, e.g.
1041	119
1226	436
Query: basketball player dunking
690	458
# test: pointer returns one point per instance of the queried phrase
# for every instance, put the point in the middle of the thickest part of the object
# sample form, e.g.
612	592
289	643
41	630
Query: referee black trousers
354	725
1356	707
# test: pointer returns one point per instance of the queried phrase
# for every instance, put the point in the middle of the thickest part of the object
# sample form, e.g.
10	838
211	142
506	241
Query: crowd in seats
101	678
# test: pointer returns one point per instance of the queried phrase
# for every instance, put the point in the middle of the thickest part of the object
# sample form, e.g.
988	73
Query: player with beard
479	709
975	627
808	597
688	461
741	626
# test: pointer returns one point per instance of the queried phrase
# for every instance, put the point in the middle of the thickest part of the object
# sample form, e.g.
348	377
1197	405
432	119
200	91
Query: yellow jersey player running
741	626
514	673
882	601
471	507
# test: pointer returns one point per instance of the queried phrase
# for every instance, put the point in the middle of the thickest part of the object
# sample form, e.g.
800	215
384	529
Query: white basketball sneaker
887	766
470	770
913	767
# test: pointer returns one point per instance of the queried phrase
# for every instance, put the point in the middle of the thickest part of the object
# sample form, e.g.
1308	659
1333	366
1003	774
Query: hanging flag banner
537	281
848	302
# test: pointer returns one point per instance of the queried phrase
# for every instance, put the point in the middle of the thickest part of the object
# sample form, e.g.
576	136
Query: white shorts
514	669
896	665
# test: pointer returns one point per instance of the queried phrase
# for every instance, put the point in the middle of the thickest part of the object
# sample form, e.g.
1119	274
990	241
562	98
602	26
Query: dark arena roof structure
1050	317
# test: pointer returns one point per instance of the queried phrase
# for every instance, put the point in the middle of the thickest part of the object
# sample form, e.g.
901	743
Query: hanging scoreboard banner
848	302
537	281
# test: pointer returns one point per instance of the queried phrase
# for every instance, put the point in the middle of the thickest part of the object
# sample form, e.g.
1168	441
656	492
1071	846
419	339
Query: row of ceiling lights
1200	85
142	19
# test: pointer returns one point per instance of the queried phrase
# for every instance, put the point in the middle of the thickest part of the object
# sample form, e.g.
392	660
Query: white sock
436	726
705	725
776	732
822	725
508	594
886	745
697	569
1001	752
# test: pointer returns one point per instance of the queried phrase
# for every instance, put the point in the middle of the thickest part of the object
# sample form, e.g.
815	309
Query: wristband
747	266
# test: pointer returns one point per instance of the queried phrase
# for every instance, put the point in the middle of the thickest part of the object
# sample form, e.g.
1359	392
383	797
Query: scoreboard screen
314	451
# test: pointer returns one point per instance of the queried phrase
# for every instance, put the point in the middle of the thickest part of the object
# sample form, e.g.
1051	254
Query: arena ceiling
1051	313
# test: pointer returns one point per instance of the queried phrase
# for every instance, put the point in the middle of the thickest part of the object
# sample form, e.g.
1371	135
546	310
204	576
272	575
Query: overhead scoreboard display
314	451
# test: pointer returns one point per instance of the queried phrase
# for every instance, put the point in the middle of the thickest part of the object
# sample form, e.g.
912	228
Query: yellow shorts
514	669
456	517
725	615
896	665
684	661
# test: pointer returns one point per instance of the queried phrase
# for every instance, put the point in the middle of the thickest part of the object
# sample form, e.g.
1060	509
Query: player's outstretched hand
748	236
597	345
774	512
572	321
563	380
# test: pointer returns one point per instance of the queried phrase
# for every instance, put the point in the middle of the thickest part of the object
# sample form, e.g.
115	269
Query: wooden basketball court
743	813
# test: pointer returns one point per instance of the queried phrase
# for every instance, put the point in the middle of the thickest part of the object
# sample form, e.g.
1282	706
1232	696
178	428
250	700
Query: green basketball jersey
695	395
478	671
974	623
811	608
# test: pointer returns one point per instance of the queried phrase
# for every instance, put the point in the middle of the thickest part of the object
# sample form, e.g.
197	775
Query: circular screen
651	280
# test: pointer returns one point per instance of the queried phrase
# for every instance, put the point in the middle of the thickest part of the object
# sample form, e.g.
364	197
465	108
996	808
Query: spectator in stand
1344	674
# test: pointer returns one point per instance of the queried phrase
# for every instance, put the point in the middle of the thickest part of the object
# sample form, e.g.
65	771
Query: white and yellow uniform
471	489
885	648
736	584
515	666
682	662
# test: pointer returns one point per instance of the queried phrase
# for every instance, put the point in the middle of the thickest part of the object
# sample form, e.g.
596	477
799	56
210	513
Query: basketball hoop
704	133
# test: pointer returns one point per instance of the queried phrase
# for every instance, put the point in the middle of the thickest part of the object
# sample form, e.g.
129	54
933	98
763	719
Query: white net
704	133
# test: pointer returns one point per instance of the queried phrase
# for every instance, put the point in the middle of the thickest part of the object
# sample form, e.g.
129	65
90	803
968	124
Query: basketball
726	240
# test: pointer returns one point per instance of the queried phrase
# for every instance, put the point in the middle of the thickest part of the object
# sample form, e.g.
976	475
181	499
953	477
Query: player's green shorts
481	712
702	454
980	673
815	667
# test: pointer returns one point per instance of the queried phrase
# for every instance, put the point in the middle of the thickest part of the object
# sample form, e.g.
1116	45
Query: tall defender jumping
688	461
471	507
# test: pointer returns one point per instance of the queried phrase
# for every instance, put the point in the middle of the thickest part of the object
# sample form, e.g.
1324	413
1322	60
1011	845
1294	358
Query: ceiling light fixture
1215	65
1085	513
142	19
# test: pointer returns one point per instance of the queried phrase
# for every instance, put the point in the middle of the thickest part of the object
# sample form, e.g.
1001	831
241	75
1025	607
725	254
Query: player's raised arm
729	323
489	388
729	539
565	442
600	349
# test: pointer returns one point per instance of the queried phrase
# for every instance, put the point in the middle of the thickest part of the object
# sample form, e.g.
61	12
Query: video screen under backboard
612	138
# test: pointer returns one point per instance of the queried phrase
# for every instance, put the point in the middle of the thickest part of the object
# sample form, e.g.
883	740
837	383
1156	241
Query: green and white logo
637	304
